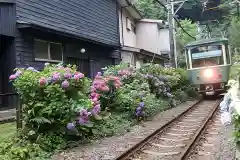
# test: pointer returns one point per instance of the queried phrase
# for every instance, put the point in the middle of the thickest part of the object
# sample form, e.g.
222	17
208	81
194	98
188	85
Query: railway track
179	139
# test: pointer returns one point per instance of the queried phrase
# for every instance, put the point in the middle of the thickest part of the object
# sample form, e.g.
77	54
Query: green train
208	64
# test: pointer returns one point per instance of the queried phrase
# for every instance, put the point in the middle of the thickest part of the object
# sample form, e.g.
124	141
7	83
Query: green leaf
89	124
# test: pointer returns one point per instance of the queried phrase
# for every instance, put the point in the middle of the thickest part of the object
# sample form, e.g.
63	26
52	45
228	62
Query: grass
7	130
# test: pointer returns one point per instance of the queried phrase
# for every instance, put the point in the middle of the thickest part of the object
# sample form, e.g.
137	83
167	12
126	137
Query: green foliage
155	105
114	69
115	124
182	37
175	77
234	33
236	125
234	72
129	95
151	9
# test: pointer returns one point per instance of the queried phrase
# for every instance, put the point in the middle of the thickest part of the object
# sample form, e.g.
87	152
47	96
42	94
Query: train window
210	55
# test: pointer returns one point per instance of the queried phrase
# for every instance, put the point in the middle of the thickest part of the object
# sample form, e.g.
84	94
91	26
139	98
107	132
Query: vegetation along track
176	139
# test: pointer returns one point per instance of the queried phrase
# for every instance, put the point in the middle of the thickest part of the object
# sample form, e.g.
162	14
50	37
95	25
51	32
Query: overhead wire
179	24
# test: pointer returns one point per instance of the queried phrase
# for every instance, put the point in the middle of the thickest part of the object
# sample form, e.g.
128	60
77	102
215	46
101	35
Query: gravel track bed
110	148
216	143
163	139
227	145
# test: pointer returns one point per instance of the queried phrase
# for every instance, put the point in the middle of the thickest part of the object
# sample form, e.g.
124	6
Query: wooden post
19	113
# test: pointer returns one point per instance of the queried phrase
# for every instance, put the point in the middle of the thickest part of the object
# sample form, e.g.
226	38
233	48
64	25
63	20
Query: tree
151	9
234	34
182	38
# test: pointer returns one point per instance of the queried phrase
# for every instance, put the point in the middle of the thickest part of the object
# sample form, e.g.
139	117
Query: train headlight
208	73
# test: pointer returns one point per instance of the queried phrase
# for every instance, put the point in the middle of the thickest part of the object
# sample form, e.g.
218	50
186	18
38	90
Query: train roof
206	41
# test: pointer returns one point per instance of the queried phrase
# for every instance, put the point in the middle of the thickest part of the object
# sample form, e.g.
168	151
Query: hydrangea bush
54	99
103	91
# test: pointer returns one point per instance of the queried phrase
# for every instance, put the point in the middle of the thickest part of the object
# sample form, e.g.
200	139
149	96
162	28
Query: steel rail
192	144
127	154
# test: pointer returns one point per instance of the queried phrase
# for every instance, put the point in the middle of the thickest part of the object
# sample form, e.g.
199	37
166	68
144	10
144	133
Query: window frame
49	53
223	56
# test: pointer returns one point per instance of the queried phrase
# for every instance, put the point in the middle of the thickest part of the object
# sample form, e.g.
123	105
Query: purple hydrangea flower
70	126
83	113
56	77
30	69
96	109
65	84
138	109
141	104
138	113
18	73
82	120
67	75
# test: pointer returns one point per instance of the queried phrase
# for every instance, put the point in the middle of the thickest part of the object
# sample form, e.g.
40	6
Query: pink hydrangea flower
76	77
67	69
42	81
95	99
65	84
81	75
99	74
12	77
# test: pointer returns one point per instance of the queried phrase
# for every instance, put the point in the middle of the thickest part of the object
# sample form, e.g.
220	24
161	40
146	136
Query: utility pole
174	35
171	35
172	28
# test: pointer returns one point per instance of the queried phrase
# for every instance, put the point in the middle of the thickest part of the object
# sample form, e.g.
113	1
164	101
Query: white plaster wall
129	36
150	38
163	39
128	57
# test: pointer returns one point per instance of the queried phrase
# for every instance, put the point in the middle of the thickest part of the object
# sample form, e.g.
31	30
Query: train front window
210	55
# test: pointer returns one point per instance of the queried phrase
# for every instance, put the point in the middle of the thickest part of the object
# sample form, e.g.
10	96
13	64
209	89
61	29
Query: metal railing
10	101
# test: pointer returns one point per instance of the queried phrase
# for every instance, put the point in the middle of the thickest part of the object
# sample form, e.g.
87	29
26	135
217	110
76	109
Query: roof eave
130	8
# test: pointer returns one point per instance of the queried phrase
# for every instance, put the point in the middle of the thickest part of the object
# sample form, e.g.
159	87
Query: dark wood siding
96	20
7	19
97	55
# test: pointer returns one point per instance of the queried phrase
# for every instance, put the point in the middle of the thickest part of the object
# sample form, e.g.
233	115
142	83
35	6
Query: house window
48	51
133	27
128	24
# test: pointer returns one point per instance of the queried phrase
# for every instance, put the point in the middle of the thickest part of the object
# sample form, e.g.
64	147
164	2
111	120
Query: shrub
55	104
171	74
103	92
52	98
